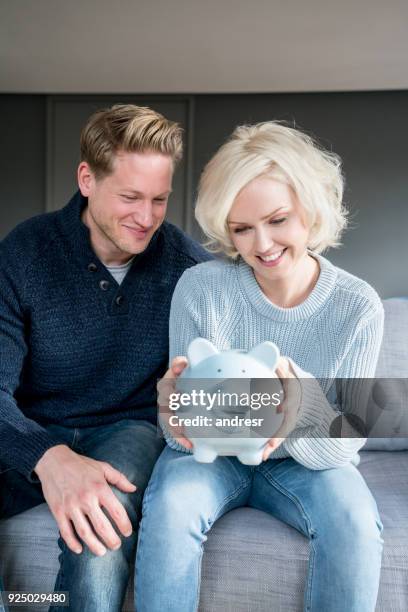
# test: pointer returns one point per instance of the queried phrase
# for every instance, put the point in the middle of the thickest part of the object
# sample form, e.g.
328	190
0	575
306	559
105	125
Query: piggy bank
219	427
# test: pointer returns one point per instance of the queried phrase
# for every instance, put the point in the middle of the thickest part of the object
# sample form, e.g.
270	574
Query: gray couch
253	562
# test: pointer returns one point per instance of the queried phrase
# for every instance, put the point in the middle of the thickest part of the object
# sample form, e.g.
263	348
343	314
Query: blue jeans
95	583
333	508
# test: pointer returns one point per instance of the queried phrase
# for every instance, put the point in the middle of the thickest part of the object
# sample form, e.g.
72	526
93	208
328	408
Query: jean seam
308	594
311	534
294	499
229	498
211	522
60	577
147	495
197	601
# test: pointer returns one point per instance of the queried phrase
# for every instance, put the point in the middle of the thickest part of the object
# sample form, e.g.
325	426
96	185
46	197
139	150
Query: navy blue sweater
74	350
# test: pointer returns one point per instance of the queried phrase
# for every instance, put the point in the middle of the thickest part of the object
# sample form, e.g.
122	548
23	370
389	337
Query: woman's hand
289	406
165	387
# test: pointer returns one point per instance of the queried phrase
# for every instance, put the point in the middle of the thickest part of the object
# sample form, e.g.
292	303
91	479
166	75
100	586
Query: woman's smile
272	260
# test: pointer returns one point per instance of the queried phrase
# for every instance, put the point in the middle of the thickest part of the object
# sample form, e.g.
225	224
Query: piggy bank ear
267	352
200	349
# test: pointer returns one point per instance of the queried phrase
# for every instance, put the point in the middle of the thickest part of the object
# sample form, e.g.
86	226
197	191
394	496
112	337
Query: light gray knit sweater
335	333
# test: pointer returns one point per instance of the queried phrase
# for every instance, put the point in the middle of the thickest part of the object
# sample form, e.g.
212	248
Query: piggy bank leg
251	458
204	454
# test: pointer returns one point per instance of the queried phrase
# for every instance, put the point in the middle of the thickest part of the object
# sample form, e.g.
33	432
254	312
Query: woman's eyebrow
262	218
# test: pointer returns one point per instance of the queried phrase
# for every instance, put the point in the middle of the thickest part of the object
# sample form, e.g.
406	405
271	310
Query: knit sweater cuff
25	462
171	442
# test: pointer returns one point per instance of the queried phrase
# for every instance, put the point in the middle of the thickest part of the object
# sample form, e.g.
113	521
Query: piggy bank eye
219	370
243	371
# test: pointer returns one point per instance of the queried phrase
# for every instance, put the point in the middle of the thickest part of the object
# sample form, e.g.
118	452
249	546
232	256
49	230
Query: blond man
85	298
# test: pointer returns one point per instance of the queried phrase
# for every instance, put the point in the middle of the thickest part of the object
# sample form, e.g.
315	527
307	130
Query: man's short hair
129	128
286	154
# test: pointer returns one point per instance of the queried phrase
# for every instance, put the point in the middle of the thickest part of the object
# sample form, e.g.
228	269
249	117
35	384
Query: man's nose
144	214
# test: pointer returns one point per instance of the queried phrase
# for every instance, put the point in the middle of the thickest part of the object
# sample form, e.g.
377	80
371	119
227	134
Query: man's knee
95	582
132	503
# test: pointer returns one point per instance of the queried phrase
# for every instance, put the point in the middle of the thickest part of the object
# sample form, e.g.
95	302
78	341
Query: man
84	302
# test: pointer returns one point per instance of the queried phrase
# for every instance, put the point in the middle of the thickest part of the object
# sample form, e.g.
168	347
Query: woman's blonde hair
285	154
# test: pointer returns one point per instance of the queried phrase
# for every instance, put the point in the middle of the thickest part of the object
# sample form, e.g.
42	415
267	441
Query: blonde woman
271	201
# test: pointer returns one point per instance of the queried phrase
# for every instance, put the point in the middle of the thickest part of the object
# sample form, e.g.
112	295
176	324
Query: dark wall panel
22	164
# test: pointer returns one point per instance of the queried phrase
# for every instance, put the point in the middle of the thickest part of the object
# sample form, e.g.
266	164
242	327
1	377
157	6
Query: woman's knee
177	498
343	505
360	525
349	515
170	495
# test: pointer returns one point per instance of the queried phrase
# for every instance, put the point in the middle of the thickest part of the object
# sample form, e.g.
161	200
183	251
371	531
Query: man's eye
160	200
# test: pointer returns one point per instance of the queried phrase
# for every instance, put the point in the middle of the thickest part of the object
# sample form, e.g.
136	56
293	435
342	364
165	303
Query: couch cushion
387	477
252	561
393	358
29	555
388	409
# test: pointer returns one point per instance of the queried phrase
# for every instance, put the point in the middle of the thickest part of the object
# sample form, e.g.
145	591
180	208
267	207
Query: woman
271	201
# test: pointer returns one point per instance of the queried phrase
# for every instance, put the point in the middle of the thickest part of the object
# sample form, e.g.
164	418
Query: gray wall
368	130
22	162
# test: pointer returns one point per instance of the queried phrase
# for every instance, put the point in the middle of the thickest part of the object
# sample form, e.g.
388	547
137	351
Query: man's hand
76	488
289	406
165	387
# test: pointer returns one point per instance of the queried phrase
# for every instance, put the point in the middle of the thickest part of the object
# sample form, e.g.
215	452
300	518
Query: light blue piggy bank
216	376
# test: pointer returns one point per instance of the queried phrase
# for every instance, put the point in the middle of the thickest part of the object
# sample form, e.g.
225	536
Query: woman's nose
263	241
